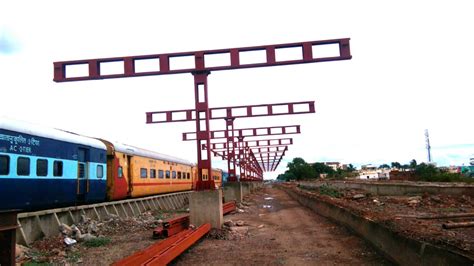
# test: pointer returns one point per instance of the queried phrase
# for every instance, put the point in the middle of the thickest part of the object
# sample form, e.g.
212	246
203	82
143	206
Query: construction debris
73	240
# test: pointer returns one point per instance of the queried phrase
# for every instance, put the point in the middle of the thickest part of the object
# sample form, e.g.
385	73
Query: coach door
82	174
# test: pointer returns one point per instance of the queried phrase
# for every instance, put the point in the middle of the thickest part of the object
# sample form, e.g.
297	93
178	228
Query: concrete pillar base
233	191
245	188
206	207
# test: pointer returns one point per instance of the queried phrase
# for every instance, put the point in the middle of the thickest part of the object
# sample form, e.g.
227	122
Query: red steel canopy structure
229	114
166	64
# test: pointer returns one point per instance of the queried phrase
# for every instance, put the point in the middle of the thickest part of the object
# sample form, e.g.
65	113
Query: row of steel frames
237	152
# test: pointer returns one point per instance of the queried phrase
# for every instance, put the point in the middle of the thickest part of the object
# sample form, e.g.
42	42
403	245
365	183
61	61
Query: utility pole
428	147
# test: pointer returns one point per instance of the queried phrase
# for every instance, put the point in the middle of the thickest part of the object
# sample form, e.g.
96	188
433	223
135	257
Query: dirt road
278	231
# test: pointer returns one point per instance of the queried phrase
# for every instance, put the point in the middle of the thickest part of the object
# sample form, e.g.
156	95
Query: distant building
336	165
370	171
454	169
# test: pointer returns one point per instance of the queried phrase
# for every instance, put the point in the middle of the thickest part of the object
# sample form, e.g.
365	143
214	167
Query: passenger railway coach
47	168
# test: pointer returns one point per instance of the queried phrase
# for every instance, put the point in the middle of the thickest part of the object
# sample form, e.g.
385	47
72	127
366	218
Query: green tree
321	168
300	169
426	171
396	165
413	164
384	166
351	168
405	167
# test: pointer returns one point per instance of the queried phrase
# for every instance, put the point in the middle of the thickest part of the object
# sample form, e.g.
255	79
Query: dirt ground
278	231
406	214
273	229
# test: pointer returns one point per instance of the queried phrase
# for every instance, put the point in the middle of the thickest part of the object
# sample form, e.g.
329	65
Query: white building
370	171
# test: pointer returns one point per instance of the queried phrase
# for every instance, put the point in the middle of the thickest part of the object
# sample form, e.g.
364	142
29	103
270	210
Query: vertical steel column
241	158
230	148
247	164
203	135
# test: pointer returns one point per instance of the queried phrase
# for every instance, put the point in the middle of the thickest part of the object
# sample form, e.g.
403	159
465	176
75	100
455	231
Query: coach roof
46	132
127	149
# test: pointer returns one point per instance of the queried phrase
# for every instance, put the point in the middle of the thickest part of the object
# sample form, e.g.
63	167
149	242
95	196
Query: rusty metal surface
228	207
176	225
165	251
165	66
140	257
183	243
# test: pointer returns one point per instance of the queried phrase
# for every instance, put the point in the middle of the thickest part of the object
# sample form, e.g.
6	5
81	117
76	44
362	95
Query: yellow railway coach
136	172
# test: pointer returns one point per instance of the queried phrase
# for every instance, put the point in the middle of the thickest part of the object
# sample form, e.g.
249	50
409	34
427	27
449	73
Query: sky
411	70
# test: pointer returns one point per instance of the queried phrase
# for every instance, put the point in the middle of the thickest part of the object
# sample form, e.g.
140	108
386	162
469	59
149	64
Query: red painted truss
171	63
233	112
255	143
248	132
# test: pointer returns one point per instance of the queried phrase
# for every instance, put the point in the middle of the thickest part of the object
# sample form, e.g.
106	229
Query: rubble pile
67	245
230	231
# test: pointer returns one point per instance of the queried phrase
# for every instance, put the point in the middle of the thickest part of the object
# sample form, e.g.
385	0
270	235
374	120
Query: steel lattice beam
258	150
234	58
233	112
248	132
256	143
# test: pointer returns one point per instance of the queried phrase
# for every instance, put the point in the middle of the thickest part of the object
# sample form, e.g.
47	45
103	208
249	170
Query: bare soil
403	214
278	231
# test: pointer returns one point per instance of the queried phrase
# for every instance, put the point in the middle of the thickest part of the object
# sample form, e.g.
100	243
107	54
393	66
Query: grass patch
73	256
329	191
448	209
34	263
323	190
38	258
97	242
307	187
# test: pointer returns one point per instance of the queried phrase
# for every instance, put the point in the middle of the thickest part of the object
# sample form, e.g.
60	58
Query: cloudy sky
412	69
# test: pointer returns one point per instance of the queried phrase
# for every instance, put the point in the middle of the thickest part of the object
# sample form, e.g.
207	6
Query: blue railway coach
48	168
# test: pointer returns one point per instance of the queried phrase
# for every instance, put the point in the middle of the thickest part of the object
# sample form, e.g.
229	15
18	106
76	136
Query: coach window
143	173
82	170
167	174
188	176
100	171
23	166
41	167
57	168
120	172
161	174
152	173
4	165
179	175
174	174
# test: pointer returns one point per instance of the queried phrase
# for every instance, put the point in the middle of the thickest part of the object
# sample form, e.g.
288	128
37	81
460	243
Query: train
44	168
